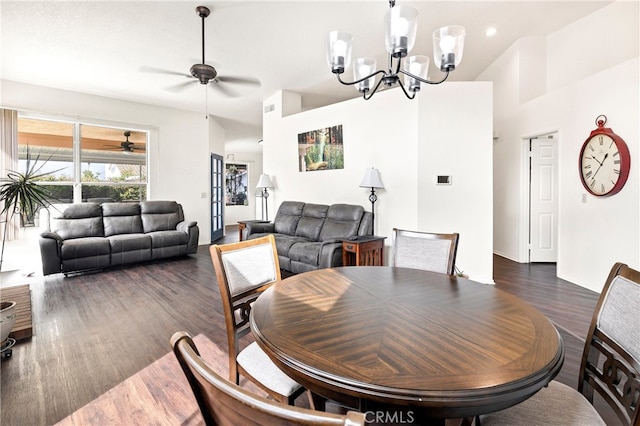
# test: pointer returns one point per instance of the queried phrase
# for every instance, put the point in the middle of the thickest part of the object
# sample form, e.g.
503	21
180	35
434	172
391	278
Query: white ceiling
108	47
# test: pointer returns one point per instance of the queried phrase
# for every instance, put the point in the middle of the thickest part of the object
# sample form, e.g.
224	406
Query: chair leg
316	401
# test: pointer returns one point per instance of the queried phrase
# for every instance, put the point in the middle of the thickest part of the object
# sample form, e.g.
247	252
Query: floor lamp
372	180
263	183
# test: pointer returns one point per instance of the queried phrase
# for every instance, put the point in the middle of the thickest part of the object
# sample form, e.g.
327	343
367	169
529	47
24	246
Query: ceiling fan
204	73
127	145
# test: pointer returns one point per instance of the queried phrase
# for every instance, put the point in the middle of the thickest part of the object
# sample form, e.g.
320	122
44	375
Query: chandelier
401	24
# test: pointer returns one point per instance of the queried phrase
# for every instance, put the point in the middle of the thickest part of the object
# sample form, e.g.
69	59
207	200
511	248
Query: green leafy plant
460	273
19	193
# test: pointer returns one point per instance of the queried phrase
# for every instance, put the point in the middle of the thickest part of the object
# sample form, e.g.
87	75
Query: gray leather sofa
309	236
89	236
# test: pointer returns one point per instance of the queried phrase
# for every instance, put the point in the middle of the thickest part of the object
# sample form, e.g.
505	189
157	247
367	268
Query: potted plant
19	193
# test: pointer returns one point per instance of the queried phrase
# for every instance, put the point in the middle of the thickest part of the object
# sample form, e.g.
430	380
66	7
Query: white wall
446	130
179	145
584	77
455	137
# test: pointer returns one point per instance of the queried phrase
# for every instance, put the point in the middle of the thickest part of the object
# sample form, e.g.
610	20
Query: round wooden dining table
406	342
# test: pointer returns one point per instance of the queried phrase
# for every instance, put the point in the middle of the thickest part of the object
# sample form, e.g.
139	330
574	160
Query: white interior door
543	199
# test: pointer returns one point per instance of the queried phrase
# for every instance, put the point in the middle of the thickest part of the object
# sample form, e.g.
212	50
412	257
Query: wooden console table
363	251
242	225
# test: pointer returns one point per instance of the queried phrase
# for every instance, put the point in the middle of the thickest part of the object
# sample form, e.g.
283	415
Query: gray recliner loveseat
89	236
309	236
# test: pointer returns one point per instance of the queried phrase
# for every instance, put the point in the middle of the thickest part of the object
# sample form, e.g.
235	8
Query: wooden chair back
611	358
244	270
425	250
222	402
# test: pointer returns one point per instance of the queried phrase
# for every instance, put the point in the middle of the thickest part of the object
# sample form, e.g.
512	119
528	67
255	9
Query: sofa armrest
330	254
51	235
191	228
259	228
50	253
185	225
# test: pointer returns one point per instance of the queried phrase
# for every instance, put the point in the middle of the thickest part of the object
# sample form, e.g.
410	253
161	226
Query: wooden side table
363	251
242	224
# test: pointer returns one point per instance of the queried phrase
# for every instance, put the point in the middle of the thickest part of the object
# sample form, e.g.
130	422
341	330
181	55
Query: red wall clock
604	161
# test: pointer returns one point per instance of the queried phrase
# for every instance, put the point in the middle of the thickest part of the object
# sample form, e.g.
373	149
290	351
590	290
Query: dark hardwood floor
93	331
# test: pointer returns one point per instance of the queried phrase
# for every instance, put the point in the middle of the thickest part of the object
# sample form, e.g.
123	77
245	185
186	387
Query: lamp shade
448	45
264	182
371	179
339	51
401	25
363	67
419	66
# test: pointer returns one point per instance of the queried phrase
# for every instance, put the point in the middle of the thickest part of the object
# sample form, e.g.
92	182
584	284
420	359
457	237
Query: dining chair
244	270
224	403
610	366
425	250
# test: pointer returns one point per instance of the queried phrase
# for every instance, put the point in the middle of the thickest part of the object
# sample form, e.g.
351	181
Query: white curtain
9	161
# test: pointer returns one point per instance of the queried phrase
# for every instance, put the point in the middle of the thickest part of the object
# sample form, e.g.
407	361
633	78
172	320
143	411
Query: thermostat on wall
443	180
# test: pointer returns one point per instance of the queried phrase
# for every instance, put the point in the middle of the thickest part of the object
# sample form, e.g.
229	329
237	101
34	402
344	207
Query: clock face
601	164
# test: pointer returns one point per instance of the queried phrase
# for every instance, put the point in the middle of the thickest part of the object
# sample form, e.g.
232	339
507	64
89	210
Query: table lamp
264	182
372	180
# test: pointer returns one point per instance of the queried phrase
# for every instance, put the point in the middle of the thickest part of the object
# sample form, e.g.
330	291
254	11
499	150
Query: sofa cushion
308	253
161	239
342	221
85	247
284	243
168	244
160	215
310	223
121	218
288	217
128	242
77	220
130	248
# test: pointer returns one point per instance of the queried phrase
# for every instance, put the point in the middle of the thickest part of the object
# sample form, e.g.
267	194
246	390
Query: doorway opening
543	198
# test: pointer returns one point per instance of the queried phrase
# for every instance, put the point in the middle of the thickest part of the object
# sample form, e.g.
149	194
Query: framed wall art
321	149
236	182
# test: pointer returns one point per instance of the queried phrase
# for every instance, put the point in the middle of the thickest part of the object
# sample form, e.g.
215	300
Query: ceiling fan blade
239	80
223	89
181	86
162	71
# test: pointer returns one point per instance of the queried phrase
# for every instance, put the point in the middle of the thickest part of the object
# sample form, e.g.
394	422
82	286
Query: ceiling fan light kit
401	24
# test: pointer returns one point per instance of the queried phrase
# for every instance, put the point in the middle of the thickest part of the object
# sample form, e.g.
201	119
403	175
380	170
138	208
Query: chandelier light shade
363	67
415	65
372	180
339	50
401	26
448	43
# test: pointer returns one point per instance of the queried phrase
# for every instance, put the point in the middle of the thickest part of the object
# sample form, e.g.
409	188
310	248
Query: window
105	164
113	164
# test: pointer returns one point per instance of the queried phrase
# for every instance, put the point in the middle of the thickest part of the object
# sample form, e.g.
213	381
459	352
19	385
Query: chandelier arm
405	90
347	83
446	75
398	63
372	92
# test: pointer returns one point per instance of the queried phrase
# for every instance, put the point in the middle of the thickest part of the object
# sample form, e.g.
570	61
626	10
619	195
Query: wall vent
269	108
